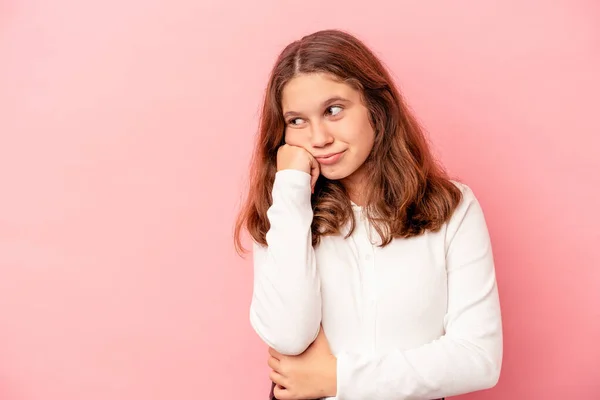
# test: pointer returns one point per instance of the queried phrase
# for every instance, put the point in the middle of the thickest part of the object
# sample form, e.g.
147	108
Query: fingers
274	364
278	379
315	171
298	158
281	393
293	157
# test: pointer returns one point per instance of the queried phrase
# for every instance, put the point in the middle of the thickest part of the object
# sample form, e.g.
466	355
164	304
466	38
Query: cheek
298	138
347	131
368	134
293	137
359	135
369	139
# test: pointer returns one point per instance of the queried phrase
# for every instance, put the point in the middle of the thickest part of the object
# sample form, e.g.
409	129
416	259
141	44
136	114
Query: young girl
373	271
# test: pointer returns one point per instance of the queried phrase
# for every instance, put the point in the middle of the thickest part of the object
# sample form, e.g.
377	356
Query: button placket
372	302
367	261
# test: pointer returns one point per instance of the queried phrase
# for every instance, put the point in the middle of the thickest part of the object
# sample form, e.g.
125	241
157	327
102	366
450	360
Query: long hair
408	192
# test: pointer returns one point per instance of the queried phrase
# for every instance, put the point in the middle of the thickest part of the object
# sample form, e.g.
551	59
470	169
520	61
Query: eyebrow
326	103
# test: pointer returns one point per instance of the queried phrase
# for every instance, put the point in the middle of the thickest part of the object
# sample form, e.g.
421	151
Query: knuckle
286	369
272	376
280	394
283	365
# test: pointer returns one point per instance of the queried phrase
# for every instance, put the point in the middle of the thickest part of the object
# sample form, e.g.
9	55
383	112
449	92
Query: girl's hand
295	157
310	375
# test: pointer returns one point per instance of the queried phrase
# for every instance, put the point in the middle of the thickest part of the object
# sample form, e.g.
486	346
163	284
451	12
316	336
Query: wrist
301	168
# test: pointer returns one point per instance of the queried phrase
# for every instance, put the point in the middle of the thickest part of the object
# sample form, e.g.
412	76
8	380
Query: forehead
306	92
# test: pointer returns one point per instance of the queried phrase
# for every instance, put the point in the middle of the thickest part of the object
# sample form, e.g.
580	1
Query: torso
378	299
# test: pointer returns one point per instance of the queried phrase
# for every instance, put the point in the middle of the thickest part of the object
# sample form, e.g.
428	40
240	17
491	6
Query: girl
373	271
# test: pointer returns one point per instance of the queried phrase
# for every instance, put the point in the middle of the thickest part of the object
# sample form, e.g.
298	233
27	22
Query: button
367	257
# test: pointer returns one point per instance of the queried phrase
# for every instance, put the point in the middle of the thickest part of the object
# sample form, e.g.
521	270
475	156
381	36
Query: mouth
329	159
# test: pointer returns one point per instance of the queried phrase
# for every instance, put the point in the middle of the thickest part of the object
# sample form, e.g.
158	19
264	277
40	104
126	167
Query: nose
320	136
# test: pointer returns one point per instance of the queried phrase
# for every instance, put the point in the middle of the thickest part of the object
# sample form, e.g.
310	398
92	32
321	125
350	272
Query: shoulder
468	213
463	187
468	196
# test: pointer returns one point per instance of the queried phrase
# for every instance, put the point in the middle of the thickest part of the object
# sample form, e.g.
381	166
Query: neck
355	189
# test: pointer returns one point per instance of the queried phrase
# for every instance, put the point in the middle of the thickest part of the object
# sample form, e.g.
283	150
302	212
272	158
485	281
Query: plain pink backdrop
125	133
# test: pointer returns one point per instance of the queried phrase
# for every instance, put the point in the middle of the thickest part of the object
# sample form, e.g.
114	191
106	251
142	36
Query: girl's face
329	120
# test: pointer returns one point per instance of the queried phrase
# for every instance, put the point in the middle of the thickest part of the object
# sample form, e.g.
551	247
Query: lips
329	159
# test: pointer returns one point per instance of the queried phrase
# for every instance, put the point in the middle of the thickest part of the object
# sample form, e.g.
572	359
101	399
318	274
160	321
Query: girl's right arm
285	310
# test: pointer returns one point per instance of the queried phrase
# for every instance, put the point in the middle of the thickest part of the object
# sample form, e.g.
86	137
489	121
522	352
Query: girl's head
329	94
328	117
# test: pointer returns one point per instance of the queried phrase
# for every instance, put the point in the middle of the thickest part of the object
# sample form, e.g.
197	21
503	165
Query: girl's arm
285	310
469	356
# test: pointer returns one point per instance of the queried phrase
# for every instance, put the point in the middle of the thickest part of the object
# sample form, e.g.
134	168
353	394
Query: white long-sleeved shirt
417	319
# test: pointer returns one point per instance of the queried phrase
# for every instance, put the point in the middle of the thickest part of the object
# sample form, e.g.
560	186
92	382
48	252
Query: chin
335	174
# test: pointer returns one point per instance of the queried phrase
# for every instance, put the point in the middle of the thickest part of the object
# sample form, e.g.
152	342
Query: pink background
125	132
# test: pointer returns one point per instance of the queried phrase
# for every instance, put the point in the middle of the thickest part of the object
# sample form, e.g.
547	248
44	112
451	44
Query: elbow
490	378
490	373
484	366
495	369
286	338
287	323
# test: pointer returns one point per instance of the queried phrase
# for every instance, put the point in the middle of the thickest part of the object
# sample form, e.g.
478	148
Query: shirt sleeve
285	310
468	356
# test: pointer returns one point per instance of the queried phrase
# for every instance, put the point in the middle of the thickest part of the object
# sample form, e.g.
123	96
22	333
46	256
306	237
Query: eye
334	110
295	121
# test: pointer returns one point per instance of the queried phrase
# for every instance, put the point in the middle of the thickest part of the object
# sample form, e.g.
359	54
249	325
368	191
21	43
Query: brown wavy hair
409	192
